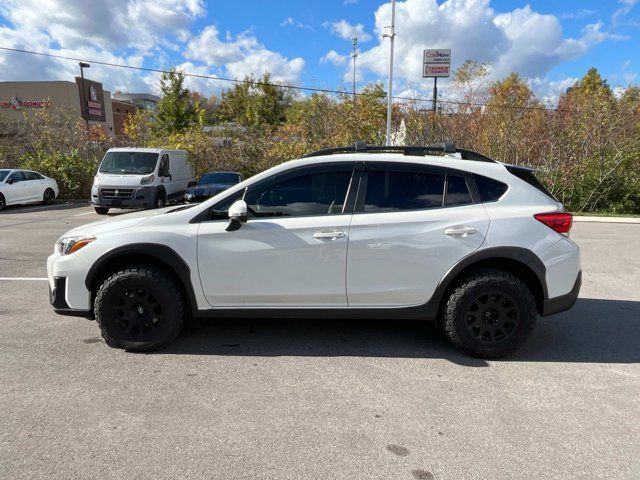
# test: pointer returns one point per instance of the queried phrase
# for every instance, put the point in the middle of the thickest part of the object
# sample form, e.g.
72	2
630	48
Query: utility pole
354	55
83	98
391	34
435	93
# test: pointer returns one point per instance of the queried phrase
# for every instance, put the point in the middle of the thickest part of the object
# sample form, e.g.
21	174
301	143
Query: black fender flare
163	254
518	254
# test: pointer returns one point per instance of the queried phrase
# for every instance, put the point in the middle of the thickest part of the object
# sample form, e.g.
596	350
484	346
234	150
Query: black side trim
420	312
162	253
563	302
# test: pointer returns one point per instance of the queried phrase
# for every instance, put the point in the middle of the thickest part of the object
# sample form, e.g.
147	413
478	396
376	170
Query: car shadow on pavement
594	331
36	207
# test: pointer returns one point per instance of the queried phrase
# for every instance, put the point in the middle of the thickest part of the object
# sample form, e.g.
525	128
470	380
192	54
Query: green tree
176	111
255	103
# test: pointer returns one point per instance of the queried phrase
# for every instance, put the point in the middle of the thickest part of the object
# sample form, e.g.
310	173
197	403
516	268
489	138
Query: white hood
113	180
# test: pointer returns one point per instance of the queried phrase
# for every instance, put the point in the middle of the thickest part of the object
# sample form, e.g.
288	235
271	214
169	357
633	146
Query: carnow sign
437	63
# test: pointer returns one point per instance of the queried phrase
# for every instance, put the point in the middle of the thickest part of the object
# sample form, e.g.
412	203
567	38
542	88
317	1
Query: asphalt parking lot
317	399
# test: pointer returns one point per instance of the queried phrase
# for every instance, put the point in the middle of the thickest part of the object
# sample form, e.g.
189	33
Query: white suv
429	233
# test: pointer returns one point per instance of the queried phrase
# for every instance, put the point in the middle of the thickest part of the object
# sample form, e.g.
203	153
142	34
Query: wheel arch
520	262
151	254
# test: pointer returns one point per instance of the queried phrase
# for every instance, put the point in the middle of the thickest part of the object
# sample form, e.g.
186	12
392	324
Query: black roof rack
443	147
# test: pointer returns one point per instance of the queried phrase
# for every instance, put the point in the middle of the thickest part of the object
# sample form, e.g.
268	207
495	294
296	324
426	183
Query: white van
140	178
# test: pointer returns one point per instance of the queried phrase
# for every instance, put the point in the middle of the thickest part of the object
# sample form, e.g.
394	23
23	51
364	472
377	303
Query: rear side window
528	176
457	191
389	191
32	176
490	190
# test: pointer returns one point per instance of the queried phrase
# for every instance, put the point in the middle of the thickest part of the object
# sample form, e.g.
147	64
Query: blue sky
549	42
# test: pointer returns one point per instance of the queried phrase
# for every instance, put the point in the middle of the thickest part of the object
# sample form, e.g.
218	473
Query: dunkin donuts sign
91	100
18	104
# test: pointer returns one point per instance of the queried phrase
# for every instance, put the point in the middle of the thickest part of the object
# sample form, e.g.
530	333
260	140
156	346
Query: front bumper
142	197
57	298
563	302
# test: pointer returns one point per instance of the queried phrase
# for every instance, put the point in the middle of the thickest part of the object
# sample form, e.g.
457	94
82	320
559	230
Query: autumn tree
176	110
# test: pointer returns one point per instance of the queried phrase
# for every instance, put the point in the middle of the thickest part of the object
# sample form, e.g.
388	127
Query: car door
412	223
34	190
16	188
291	252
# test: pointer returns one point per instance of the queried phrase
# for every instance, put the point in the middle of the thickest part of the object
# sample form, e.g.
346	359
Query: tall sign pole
391	34
354	55
436	63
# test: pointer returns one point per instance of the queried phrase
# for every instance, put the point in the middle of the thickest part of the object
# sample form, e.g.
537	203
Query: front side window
164	166
307	194
129	163
391	191
16	177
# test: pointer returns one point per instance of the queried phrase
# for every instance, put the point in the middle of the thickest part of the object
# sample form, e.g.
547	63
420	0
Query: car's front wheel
490	314
139	308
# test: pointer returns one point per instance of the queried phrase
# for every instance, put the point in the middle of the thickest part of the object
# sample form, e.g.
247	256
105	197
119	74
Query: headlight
68	245
147	180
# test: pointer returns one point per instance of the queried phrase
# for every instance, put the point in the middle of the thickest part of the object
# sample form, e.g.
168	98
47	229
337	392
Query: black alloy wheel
492	317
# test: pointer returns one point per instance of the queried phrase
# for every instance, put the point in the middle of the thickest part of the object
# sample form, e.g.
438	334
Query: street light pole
83	99
354	55
391	35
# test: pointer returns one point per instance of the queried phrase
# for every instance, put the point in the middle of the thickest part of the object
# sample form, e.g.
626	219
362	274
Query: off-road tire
101	210
114	310
458	322
48	197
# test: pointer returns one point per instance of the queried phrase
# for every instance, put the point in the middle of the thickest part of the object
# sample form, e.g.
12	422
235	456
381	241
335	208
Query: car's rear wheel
49	196
139	308
490	314
101	210
2	202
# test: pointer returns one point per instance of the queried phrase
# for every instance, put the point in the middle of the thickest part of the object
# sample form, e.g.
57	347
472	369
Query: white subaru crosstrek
430	233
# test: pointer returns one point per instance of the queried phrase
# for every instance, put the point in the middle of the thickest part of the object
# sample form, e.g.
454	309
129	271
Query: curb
631	220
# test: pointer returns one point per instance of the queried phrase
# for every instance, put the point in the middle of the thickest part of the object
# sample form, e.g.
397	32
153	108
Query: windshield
220	177
136	163
3	174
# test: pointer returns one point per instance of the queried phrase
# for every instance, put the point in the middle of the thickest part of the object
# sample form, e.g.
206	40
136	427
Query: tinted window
321	193
16	177
225	178
528	176
32	176
457	191
393	191
3	174
490	190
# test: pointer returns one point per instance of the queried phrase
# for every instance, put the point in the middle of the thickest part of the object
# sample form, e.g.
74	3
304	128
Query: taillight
559	221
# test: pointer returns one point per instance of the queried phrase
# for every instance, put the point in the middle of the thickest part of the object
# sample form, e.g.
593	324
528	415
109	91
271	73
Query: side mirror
237	215
10	181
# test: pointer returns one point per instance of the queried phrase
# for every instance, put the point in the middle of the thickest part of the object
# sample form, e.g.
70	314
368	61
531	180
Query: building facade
20	99
142	101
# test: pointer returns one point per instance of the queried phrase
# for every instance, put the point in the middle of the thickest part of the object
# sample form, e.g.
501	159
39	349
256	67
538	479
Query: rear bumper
59	302
563	302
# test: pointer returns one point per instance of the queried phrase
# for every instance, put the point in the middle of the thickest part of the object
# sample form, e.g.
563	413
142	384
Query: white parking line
27	279
81	214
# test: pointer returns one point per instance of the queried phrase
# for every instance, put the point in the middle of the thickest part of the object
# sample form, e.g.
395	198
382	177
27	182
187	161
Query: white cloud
521	40
578	14
345	30
292	22
334	57
242	55
625	8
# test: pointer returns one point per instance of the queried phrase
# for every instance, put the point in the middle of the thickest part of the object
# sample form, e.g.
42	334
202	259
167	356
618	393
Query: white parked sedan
25	186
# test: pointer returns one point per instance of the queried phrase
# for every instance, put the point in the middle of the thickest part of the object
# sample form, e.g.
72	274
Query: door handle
462	231
328	235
